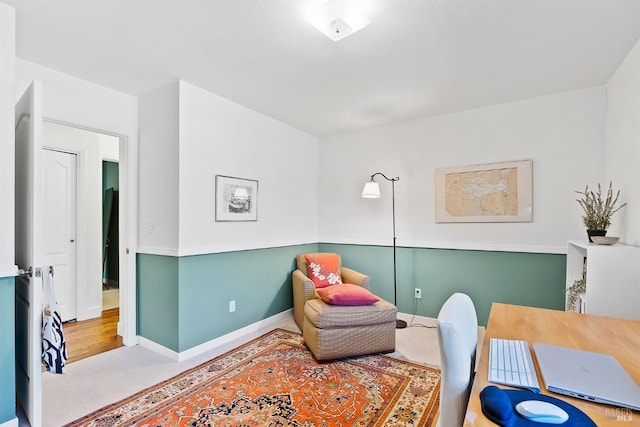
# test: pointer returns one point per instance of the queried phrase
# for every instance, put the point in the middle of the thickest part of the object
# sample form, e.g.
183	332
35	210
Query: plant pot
592	233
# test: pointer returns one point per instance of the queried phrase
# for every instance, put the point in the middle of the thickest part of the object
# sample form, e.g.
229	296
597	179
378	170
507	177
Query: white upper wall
563	134
220	137
109	148
7	145
158	170
187	137
78	102
623	144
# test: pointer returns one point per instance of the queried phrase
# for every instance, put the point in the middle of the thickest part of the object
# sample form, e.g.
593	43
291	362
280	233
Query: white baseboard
10	423
90	312
410	318
262	326
158	348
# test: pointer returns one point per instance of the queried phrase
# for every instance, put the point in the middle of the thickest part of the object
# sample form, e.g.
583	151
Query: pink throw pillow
324	270
347	294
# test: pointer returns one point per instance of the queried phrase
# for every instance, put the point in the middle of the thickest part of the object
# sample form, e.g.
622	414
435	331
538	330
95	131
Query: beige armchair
335	331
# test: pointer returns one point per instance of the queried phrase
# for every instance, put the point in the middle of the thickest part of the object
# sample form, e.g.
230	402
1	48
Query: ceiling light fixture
338	19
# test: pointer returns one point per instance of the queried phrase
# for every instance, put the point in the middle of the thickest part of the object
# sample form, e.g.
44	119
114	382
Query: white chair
458	338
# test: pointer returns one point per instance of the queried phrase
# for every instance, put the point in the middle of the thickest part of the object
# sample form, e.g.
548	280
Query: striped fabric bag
54	347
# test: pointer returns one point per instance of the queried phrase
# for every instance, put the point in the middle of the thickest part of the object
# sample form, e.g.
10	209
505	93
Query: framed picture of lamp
236	199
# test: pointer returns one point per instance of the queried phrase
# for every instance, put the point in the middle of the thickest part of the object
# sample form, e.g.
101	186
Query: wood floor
94	336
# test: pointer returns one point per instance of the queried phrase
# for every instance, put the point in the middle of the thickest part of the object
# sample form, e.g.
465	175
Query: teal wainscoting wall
531	279
184	301
157	299
7	350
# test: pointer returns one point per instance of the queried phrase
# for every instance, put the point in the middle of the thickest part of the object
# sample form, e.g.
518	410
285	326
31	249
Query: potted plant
573	293
598	211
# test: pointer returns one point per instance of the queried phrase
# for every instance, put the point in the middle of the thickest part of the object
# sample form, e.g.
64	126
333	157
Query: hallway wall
7	217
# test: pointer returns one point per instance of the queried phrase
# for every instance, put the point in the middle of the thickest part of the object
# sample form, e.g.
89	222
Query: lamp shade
241	193
371	190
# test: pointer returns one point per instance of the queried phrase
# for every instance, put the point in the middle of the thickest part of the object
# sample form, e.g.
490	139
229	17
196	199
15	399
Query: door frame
127	320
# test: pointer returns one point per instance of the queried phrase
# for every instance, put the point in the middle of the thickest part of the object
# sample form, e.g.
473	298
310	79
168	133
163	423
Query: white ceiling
416	58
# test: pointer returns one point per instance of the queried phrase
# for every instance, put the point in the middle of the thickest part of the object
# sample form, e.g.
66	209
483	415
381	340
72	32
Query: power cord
415	311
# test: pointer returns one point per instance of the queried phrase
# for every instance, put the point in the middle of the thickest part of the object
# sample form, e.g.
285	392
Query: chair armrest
303	290
355	278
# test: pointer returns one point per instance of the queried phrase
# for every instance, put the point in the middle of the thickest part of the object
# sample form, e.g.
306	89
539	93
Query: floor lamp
371	190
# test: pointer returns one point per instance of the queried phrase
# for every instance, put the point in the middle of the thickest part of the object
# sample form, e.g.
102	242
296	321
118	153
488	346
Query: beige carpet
108	377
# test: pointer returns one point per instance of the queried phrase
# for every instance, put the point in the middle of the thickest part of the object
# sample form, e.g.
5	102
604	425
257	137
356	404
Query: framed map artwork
496	192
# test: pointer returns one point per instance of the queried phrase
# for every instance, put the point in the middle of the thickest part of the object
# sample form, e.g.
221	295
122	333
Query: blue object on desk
499	406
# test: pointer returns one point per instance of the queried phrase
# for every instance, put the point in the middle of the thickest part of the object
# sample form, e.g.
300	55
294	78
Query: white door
59	205
29	224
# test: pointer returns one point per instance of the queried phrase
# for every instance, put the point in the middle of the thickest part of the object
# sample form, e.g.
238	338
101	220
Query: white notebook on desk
586	375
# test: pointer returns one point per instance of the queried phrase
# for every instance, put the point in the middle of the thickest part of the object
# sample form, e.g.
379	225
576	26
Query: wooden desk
618	337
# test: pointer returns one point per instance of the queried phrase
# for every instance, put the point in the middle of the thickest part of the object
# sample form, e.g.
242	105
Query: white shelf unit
612	277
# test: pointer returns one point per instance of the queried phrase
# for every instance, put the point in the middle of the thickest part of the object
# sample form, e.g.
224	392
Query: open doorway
30	132
110	236
94	327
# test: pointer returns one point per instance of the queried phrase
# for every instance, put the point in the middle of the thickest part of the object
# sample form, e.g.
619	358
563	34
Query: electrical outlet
418	293
232	306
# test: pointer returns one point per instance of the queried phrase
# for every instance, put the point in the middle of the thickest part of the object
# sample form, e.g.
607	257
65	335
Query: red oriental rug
274	381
